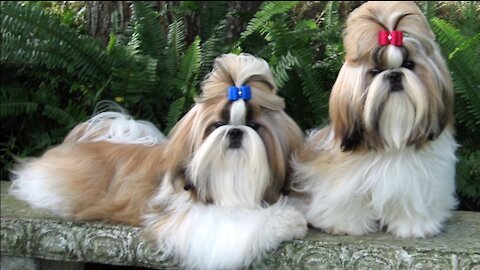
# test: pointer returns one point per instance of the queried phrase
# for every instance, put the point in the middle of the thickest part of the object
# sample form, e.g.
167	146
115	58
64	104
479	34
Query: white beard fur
200	236
235	230
212	174
410	190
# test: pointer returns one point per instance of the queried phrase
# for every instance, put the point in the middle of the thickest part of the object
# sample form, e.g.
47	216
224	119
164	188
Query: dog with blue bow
210	196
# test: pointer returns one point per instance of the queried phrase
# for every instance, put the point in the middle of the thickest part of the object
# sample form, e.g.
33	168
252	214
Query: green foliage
55	75
31	37
213	13
463	61
462	55
301	53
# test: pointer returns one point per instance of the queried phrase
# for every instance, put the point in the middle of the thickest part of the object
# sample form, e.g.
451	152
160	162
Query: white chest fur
410	190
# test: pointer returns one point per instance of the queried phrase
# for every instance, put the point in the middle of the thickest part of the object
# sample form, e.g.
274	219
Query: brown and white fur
388	157
210	195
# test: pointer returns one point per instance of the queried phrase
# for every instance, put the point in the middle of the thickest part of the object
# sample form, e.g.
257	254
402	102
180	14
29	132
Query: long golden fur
387	160
188	181
352	125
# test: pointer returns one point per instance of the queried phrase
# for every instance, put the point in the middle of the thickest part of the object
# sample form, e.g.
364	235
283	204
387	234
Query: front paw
352	229
414	229
287	224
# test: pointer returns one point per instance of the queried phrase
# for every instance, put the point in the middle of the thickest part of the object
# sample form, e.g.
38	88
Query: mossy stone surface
27	232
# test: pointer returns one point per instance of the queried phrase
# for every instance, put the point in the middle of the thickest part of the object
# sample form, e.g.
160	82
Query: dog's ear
181	139
445	113
281	137
346	107
352	139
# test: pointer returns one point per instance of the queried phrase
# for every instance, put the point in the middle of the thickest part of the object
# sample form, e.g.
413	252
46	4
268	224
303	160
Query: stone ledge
36	234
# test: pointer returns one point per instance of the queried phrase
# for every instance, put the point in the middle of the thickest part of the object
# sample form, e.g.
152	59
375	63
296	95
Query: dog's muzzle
235	136
395	79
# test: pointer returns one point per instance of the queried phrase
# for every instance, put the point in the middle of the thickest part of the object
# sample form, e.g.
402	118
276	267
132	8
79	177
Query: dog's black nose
395	79
235	136
235	133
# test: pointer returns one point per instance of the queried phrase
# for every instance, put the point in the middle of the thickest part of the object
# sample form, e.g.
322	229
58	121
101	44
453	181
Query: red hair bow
395	38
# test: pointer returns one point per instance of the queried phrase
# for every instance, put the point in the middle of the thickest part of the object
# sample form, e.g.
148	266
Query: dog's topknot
237	70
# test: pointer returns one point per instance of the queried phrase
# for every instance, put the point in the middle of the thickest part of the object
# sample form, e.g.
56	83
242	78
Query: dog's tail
244	69
87	180
112	123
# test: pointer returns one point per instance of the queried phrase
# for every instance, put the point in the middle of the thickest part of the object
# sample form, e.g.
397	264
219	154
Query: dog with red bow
210	195
388	158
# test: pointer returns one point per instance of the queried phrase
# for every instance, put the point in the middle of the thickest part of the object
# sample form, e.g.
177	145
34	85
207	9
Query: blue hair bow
243	92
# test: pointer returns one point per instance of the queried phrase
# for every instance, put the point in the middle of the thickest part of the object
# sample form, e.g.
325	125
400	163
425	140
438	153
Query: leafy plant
304	56
462	57
56	75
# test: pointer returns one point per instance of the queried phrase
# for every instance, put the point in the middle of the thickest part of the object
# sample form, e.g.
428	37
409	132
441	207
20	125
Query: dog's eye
409	64
375	71
218	124
253	125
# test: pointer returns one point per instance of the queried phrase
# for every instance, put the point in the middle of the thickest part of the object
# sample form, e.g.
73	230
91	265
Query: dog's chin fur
210	195
388	158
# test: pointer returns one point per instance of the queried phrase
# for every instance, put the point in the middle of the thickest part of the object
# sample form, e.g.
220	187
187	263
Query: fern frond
174	114
212	14
267	11
150	34
135	81
312	87
43	40
8	109
175	46
468	174
463	61
214	46
428	9
283	65
59	115
189	68
331	14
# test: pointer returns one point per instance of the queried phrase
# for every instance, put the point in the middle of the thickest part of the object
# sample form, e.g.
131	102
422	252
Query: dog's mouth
396	87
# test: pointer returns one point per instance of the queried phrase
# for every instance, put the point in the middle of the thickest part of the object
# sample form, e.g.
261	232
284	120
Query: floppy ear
444	114
345	107
281	137
181	140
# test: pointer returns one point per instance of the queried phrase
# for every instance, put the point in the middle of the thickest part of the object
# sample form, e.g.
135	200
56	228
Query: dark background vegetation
60	58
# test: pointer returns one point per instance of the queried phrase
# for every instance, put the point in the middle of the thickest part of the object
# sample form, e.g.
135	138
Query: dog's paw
352	229
420	228
287	223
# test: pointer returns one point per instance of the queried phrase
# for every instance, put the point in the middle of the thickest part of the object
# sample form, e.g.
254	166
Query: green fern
428	9
175	45
462	57
290	50
214	46
331	14
313	88
468	175
188	73
29	35
213	13
150	33
463	61
283	65
265	14
174	113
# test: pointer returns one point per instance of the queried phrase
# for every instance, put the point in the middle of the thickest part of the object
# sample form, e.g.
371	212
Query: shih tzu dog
388	157
210	195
